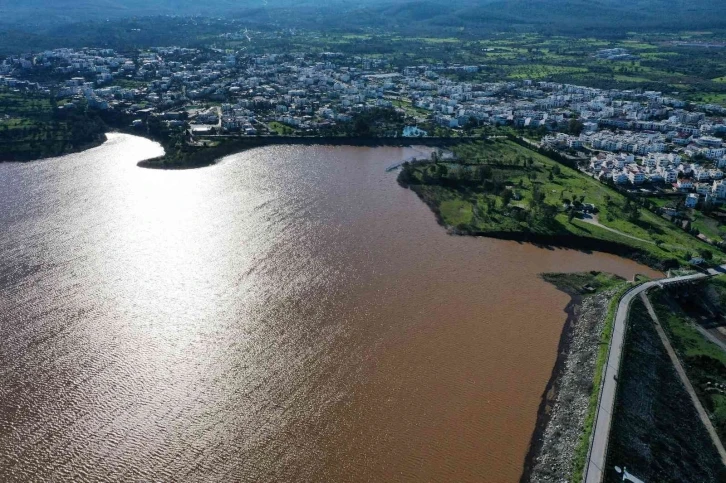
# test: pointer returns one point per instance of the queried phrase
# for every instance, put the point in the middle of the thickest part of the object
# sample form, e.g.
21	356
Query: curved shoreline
563	345
552	389
199	157
78	149
575	242
565	241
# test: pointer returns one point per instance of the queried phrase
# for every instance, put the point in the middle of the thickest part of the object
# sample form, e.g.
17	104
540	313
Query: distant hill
38	21
556	15
605	14
43	12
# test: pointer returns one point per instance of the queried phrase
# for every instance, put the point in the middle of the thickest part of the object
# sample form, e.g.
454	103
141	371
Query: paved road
595	464
702	414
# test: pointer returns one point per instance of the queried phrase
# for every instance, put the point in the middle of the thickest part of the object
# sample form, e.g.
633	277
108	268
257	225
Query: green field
281	128
410	109
575	283
498	186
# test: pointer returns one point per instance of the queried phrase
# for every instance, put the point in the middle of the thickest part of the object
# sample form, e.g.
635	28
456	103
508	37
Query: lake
289	314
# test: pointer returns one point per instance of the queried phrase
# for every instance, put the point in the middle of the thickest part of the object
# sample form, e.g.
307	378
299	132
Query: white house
714	153
719	189
701	175
685	168
684	184
636	177
620	177
670	175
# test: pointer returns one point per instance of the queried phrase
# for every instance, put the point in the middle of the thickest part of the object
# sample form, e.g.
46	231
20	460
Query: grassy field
499	186
541	71
709	226
280	128
410	109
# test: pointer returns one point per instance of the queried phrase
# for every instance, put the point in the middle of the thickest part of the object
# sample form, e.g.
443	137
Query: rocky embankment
565	403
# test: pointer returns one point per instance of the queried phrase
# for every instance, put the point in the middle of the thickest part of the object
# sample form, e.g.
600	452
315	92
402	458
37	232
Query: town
636	140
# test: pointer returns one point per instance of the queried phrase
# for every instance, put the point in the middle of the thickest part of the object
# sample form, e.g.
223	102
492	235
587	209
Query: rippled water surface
290	314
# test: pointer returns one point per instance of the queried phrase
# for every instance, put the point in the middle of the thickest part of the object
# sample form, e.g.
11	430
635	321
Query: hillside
557	16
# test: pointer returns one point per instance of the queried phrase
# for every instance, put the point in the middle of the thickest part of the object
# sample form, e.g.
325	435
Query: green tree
634	215
548	212
575	127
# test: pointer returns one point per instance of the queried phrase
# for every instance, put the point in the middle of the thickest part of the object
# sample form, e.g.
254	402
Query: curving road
595	464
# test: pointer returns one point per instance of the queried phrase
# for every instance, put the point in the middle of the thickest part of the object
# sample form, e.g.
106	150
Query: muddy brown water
290	314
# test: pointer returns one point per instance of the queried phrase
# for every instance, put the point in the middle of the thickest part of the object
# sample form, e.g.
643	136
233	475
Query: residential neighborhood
631	138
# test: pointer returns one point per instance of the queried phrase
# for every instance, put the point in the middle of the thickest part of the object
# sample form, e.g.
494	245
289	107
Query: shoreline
564	241
563	410
209	156
78	149
553	388
551	391
574	242
199	157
